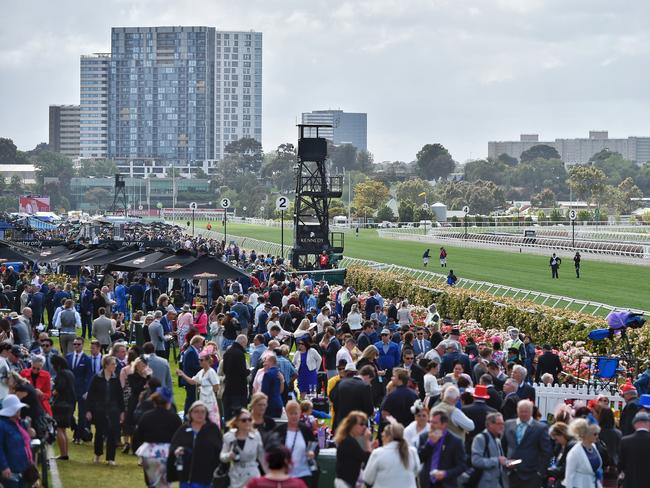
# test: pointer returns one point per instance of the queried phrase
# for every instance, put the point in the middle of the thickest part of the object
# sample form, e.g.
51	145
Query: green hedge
544	324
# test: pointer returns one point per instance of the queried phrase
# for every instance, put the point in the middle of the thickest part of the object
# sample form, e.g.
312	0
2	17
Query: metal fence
439	281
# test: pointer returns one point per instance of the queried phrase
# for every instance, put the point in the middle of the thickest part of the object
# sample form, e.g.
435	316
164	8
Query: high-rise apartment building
347	128
161	93
93	93
577	150
64	129
238	88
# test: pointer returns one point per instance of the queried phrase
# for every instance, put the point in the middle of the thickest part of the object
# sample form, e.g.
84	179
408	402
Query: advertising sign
31	205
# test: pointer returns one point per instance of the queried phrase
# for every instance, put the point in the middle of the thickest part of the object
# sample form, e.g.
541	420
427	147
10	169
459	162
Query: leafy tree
434	161
7	151
616	167
486	170
337	207
539	174
405	211
545	198
541	217
200	174
364	161
421	214
385	213
98	197
412	189
97	168
16	182
588	183
343	156
369	196
602	155
507	159
243	156
351	180
623	195
540	151
278	169
482	197
583	216
556	215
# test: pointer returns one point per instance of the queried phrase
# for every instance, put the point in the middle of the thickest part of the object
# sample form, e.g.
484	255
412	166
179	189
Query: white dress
205	381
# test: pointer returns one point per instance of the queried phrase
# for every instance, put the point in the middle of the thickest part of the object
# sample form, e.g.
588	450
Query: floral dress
205	381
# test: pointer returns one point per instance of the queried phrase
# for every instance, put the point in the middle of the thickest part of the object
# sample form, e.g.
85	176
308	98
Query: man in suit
452	355
527	439
524	390
368	336
510	399
80	365
477	411
421	345
633	461
441	454
103	328
243	313
95	357
85	310
416	373
157	335
136	290
371	303
190	365
159	366
235	392
548	362
495	399
353	393
489	458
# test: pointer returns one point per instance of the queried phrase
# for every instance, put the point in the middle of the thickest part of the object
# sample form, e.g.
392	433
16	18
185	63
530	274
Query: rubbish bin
327	467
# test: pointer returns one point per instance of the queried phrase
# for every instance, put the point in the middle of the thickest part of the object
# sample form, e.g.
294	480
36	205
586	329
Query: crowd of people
276	367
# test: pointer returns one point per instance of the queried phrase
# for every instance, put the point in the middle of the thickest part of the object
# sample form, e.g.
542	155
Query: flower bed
562	328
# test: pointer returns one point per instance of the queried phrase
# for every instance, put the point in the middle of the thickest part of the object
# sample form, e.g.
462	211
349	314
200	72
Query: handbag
472	477
221	476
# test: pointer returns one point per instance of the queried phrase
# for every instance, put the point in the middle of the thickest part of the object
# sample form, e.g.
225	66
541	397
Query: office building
93	92
161	93
579	150
64	130
238	88
347	128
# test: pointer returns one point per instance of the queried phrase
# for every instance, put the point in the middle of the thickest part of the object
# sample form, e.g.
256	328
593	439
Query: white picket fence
549	397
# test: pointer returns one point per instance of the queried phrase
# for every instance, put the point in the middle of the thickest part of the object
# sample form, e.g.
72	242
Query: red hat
627	387
480	391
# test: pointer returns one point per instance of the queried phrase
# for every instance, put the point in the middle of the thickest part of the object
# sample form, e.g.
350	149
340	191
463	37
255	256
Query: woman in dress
201	320
243	449
306	361
419	426
152	438
207	382
404	315
584	466
63	405
395	463
350	454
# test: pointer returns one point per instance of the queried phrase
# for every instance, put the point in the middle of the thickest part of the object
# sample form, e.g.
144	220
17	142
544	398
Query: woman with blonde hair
369	358
350	454
395	463
302	330
584	466
207	381
243	449
262	422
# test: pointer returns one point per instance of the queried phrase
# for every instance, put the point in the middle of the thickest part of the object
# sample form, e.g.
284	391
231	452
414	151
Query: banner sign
30	205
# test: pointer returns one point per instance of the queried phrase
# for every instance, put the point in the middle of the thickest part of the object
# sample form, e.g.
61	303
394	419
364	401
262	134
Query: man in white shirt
345	353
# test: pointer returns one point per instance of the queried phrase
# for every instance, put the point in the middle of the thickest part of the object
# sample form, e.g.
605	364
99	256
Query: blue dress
306	377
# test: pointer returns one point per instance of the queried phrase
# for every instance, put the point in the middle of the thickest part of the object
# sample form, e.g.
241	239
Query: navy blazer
418	350
83	373
452	461
191	364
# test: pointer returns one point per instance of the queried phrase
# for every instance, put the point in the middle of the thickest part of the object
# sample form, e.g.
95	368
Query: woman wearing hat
152	438
195	449
207	383
15	450
306	361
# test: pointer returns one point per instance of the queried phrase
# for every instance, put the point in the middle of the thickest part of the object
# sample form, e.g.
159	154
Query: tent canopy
109	256
170	263
12	254
207	267
147	258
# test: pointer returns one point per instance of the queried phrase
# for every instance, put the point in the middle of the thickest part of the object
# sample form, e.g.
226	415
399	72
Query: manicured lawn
621	285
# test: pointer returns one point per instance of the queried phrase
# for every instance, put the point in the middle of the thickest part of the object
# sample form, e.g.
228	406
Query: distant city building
238	88
348	128
93	90
579	150
161	93
26	172
64	129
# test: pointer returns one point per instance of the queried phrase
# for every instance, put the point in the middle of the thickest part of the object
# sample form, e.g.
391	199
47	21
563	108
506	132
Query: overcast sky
450	71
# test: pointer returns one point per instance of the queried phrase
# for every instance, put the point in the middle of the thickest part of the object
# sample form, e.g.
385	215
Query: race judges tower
314	191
